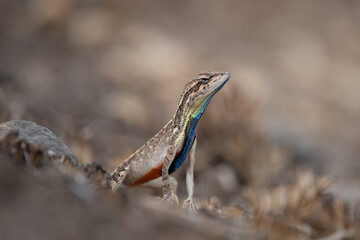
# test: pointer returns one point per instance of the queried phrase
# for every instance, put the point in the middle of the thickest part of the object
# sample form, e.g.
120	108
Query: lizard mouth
202	103
220	82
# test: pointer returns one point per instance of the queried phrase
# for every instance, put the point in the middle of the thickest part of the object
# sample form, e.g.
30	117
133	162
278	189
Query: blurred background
105	76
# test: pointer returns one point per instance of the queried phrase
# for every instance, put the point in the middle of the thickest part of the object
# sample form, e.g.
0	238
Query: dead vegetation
302	209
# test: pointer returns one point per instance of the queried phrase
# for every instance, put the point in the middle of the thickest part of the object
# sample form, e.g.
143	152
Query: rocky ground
278	147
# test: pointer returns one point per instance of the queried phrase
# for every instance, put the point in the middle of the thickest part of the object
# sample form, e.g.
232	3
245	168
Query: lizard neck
188	123
189	116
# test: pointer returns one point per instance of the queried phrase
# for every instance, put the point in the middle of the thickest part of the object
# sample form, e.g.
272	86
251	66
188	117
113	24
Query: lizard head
198	93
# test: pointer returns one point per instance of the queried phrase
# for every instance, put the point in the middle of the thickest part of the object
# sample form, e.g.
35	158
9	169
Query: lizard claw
190	203
172	199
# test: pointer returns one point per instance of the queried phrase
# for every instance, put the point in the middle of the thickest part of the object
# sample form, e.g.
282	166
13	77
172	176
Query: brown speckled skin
162	148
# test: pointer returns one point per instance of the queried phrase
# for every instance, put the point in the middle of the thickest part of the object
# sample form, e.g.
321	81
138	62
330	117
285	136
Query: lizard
164	153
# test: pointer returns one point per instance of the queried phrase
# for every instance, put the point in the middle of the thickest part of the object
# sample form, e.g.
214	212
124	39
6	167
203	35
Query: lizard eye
204	78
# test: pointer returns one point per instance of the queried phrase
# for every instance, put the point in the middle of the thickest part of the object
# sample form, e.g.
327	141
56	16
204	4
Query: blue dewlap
190	137
189	140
